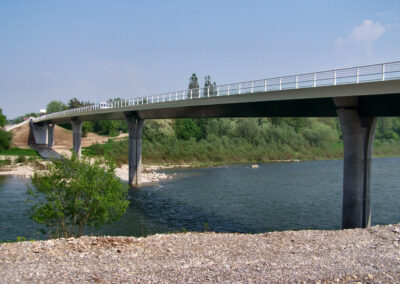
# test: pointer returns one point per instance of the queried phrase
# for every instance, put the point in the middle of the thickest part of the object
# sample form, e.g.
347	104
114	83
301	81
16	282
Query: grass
6	162
19	152
208	153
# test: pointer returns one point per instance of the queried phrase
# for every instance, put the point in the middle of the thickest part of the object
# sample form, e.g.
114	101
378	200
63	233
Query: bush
5	139
21	159
321	135
6	162
74	193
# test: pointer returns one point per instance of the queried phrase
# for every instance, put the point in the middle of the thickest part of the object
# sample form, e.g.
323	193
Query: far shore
149	173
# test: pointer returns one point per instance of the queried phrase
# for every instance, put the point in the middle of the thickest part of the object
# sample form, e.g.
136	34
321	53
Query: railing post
142	100
358	75
252	87
383	72
208	92
315	80
265	85
239	88
218	91
228	90
297	81
334	78
176	96
280	83
191	93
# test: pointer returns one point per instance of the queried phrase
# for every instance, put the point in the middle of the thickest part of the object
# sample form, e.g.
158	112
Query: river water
276	196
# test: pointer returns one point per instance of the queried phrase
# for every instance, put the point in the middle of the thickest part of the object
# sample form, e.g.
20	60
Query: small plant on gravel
74	193
21	159
6	162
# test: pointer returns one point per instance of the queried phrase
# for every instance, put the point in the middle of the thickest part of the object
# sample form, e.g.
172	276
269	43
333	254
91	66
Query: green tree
5	137
3	119
24	117
194	86
210	89
56	106
75	103
74	193
185	128
87	126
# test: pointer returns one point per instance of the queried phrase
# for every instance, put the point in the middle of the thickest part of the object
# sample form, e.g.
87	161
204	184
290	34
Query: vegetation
75	193
5	137
6	162
23	117
55	106
19	152
228	140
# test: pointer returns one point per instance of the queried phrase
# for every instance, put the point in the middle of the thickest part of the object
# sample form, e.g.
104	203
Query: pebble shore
344	256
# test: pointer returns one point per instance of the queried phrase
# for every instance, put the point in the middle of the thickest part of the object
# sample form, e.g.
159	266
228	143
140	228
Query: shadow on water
156	213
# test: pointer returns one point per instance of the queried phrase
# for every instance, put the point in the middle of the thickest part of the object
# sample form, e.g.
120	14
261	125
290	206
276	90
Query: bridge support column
77	136
50	134
38	133
135	126
358	136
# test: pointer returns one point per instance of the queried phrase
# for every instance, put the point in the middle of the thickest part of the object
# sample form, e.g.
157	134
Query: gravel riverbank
346	256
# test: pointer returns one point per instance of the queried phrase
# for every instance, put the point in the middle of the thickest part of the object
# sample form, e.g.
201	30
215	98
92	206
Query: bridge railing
354	75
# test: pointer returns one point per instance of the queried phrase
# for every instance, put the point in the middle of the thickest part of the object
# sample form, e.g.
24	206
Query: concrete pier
358	136
38	133
77	136
50	134
135	127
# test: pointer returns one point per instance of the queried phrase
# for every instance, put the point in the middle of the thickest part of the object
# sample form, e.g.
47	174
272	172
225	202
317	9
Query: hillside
63	138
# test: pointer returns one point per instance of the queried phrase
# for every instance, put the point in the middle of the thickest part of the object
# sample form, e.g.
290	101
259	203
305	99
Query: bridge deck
378	87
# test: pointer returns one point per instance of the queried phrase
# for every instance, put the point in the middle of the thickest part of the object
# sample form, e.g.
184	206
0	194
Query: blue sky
95	50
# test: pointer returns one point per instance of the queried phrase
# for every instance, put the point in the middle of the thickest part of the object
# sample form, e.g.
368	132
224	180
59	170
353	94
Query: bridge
357	95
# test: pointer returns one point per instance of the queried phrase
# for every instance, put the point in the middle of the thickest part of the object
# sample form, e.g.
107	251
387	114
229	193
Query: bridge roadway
358	96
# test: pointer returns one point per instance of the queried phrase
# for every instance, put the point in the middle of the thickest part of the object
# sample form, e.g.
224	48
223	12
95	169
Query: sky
95	50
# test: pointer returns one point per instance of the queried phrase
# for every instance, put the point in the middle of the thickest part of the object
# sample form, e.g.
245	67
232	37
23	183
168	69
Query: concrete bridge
358	96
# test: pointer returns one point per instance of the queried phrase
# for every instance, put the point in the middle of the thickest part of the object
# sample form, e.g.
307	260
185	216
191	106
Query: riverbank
150	174
344	256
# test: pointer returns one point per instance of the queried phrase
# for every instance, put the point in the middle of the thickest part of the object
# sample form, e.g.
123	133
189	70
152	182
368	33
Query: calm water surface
276	196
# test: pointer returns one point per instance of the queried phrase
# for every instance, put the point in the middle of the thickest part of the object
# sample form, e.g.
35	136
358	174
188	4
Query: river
276	196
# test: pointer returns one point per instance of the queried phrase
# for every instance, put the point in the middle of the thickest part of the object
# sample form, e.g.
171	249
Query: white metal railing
354	75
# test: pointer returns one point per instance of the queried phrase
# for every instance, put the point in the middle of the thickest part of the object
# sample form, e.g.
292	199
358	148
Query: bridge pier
135	127
38	133
77	136
358	135
50	134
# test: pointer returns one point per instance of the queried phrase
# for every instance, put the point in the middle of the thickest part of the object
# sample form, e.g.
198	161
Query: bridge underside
373	105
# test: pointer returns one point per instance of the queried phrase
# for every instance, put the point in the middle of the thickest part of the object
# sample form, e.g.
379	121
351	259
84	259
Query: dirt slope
63	138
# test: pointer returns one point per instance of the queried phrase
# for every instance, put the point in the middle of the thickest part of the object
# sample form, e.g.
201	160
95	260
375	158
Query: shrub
5	139
74	193
21	159
5	162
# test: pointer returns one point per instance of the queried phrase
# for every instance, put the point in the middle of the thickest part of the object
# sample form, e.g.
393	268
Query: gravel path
350	256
